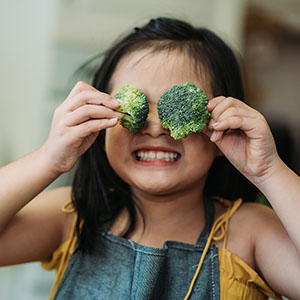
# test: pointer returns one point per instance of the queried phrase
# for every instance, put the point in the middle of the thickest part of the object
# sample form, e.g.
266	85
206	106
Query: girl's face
151	161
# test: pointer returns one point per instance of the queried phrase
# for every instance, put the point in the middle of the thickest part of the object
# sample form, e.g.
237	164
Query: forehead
156	72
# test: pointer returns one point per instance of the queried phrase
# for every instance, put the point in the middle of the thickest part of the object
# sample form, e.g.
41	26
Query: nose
153	126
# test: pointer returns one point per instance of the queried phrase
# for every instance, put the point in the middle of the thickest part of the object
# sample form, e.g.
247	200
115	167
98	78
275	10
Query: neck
178	217
161	210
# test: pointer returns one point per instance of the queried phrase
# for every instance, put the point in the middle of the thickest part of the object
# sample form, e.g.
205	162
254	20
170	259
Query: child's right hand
76	124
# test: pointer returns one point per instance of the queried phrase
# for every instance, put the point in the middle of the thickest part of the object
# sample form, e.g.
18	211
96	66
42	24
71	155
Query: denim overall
122	269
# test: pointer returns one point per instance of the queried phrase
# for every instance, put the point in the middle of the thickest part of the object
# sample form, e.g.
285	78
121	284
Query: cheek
117	147
113	140
200	152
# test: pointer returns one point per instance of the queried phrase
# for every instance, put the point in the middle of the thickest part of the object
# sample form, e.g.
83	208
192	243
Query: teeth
157	155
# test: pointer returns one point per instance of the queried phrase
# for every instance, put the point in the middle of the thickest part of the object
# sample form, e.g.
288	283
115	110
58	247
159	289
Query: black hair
98	193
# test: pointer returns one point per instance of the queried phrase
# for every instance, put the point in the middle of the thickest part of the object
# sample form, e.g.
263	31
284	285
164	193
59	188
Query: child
131	228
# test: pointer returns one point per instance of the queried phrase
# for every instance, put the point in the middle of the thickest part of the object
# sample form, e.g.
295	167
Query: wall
25	57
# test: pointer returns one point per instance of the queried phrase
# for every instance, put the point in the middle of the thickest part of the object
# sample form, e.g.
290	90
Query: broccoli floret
133	104
183	110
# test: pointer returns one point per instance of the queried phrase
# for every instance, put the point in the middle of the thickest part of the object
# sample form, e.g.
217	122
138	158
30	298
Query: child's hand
76	124
243	136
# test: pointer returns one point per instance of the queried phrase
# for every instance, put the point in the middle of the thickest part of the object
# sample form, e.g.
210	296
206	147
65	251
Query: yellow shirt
238	281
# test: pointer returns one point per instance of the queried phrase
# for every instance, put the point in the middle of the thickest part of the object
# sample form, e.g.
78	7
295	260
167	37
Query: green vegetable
183	110
133	104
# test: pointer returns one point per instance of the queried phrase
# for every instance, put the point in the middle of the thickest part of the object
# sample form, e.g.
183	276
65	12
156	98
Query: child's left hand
243	136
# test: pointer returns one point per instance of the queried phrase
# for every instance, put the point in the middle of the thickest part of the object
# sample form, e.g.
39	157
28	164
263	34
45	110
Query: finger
83	93
235	122
232	112
88	112
90	97
214	102
221	104
216	136
213	135
92	126
79	87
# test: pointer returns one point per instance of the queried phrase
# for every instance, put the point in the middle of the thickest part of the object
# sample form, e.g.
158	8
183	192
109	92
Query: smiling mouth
164	156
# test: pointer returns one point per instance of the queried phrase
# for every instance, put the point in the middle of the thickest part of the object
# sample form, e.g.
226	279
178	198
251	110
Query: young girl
134	228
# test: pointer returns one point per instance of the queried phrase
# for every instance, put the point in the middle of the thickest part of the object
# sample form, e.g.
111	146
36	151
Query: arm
277	250
282	187
76	125
244	137
37	229
21	181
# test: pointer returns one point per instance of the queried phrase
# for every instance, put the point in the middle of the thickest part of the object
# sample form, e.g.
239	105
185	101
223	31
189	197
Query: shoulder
47	208
275	255
255	214
257	219
246	227
60	194
52	203
257	236
249	215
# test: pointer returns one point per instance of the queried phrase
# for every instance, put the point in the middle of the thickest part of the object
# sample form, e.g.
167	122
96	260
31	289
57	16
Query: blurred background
44	42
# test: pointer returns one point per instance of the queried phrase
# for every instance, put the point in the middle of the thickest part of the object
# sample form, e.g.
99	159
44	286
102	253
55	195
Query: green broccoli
134	106
183	110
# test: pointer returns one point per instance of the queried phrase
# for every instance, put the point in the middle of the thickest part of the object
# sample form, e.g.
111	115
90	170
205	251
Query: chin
156	187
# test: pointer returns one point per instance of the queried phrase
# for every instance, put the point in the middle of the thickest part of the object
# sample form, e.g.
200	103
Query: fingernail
210	124
213	136
215	124
115	101
113	120
119	116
